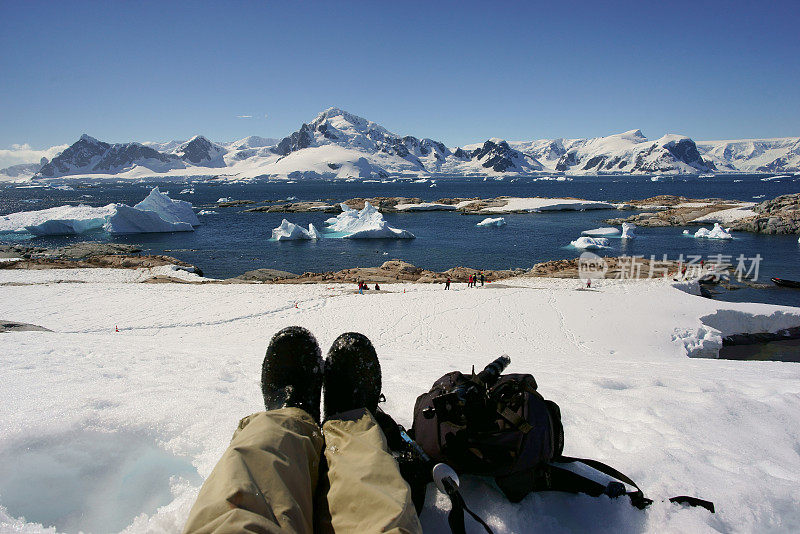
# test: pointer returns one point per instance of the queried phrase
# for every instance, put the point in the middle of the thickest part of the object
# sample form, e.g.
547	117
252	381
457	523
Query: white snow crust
533	204
168	390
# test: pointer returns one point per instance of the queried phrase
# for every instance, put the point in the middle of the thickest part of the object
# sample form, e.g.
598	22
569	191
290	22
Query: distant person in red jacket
447	283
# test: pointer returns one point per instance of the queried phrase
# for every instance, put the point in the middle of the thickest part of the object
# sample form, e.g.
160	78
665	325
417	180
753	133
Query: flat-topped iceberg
291	232
586	242
365	224
156	213
715	233
608	230
61	220
493	221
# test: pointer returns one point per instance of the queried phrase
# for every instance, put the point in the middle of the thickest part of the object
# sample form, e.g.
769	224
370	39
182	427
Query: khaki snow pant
269	479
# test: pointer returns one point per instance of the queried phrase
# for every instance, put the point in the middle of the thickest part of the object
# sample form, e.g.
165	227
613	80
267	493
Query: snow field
185	367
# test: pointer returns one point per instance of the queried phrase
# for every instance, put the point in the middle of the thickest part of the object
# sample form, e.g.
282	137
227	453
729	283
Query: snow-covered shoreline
184	367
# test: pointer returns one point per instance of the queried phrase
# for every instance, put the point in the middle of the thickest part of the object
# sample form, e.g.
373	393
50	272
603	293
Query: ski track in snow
185	367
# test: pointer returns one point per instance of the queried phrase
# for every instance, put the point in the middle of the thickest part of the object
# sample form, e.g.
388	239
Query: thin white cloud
244	116
266	115
23	153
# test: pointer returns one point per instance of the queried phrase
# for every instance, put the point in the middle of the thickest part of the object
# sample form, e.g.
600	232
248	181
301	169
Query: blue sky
458	72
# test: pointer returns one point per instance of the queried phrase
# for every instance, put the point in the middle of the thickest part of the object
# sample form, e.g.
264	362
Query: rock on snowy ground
123	426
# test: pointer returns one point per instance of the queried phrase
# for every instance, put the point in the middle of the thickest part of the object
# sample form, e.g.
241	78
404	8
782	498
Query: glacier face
340	145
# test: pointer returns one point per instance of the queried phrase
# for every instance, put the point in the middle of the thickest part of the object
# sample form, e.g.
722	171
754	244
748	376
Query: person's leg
266	479
365	491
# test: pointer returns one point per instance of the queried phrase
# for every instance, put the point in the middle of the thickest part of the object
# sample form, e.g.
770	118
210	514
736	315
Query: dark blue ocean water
232	241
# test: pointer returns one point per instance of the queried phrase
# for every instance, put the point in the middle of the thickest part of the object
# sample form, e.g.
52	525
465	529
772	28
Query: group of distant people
363	286
473	280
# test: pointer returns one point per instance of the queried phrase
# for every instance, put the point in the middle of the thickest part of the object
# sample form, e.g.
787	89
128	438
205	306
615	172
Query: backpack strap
566	480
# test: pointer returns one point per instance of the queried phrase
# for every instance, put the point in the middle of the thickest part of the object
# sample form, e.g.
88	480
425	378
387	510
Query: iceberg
128	220
601	231
715	233
173	211
489	221
61	220
365	224
289	232
156	213
626	231
587	242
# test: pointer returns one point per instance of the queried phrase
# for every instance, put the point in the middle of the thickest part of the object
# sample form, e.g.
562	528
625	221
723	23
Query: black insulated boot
291	375
352	375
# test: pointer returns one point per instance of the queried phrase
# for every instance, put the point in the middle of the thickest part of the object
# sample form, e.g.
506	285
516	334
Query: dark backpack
510	432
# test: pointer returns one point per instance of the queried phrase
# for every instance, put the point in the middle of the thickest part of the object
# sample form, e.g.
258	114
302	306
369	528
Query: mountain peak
632	134
88	139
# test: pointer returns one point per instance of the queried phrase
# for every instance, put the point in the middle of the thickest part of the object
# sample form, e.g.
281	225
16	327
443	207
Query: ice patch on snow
89	481
586	242
493	221
715	233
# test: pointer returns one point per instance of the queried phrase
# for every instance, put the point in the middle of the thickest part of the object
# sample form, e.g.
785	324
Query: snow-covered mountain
90	156
201	152
629	152
340	145
753	155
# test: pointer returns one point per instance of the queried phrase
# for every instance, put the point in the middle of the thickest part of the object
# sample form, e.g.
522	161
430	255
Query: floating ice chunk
312	231
365	224
627	232
489	221
686	232
289	231
224	199
601	231
128	220
587	242
172	211
207	212
156	213
715	233
187	191
61	220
